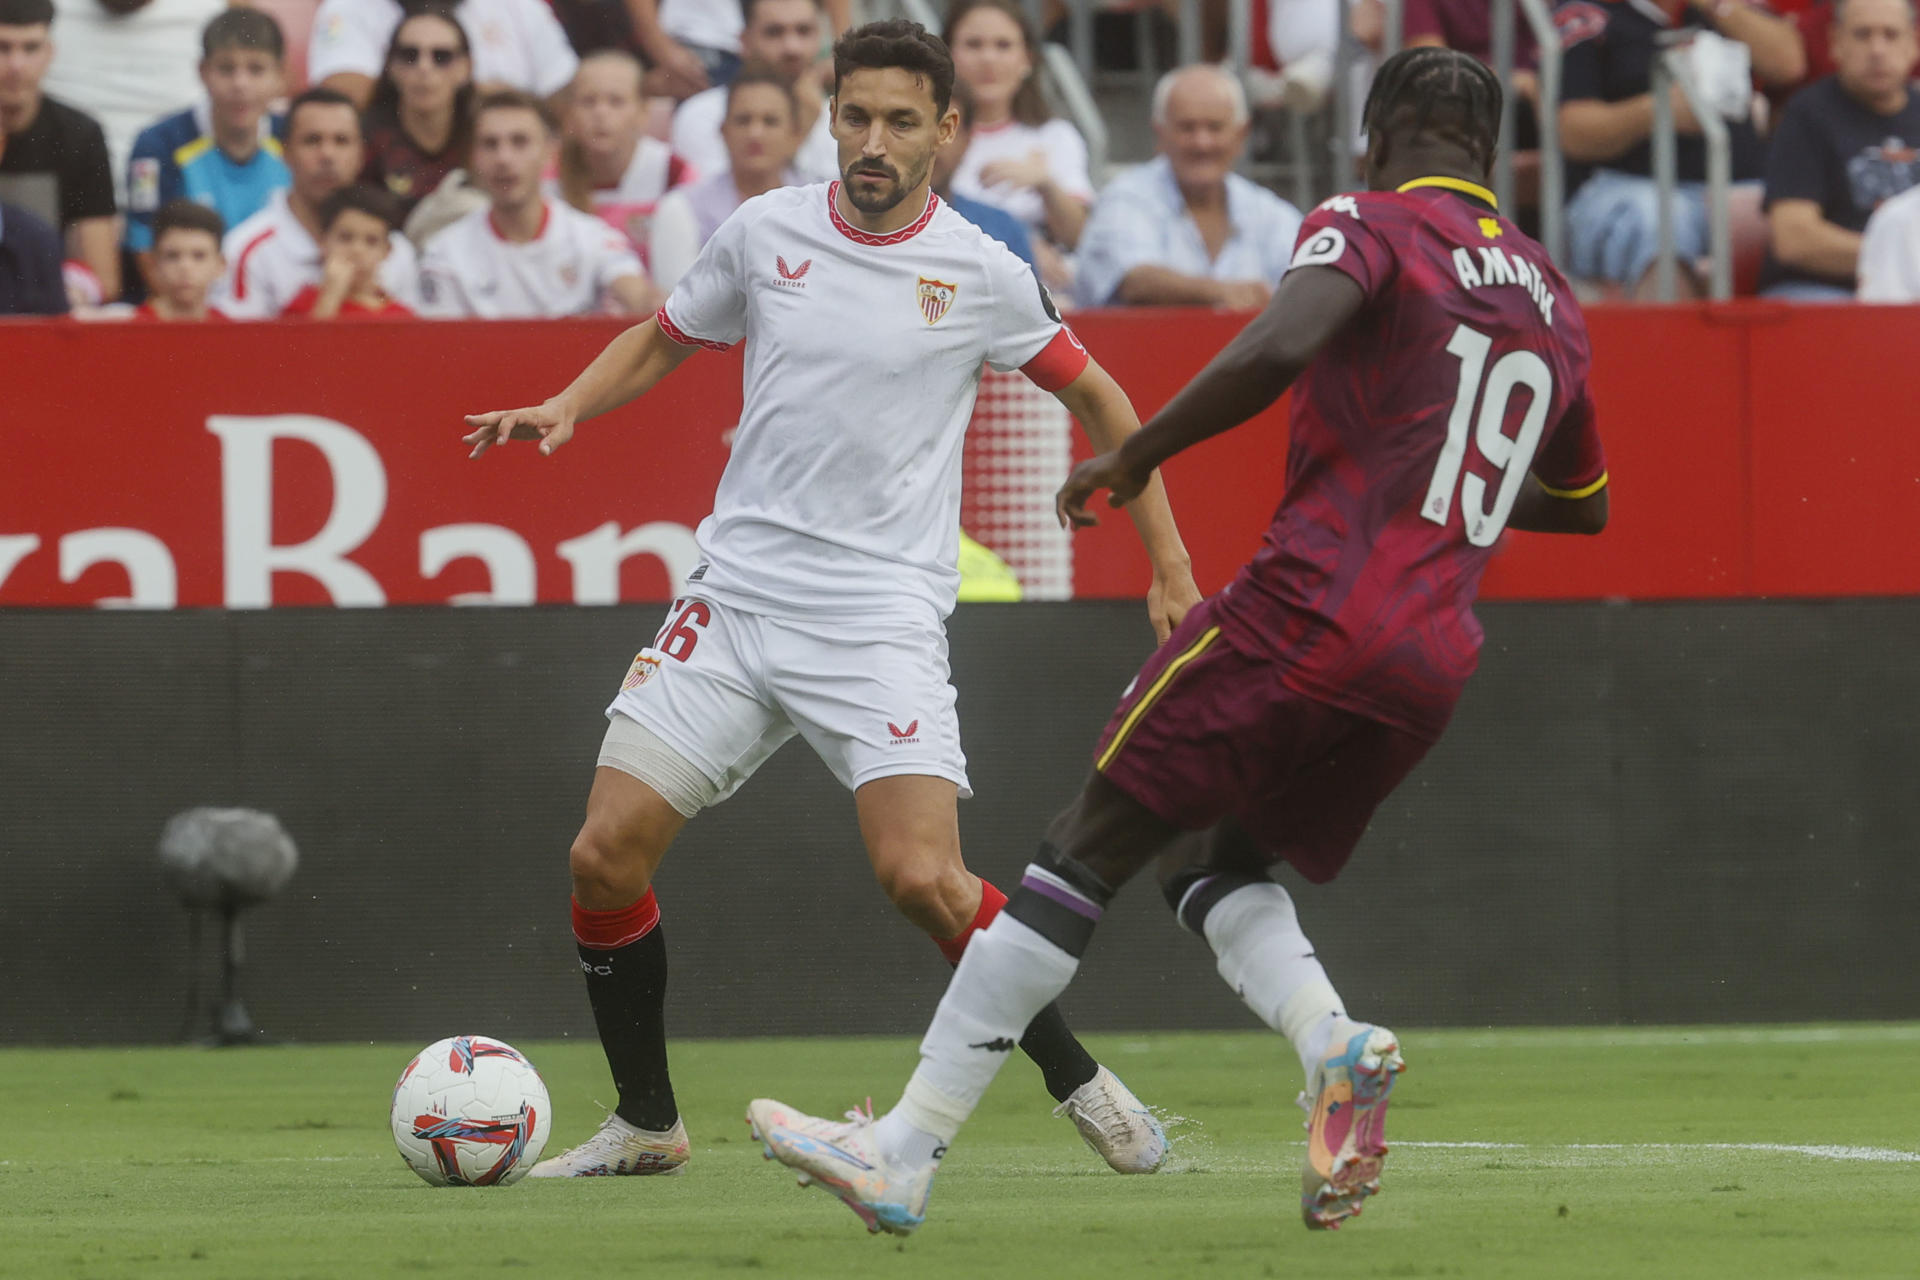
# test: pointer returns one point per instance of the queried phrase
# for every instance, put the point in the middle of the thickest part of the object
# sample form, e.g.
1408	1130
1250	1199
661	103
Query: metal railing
1553	181
1669	69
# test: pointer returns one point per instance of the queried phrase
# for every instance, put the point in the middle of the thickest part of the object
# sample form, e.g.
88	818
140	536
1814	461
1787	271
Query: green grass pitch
1751	1153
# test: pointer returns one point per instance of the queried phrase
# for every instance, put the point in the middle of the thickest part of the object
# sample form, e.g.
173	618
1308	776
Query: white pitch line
1876	1155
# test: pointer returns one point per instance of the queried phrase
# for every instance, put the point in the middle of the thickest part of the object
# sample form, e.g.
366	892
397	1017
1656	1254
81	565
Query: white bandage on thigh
637	751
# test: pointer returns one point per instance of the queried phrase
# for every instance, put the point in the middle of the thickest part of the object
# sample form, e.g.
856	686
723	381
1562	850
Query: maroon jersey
1412	433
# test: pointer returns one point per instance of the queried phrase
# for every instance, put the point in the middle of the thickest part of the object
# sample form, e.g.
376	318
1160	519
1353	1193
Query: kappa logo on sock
604	970
998	1045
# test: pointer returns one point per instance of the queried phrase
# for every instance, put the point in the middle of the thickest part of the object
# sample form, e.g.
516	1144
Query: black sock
1063	1061
628	989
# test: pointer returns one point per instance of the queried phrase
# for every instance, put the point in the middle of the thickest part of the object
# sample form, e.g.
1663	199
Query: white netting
1019	449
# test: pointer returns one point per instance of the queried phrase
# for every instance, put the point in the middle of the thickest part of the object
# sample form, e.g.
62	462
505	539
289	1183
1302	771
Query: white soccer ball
470	1111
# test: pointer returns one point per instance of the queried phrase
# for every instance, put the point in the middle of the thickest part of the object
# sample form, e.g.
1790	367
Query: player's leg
911	826
686	729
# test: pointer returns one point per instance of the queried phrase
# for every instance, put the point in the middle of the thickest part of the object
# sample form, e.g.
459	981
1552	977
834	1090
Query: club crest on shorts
640	672
936	296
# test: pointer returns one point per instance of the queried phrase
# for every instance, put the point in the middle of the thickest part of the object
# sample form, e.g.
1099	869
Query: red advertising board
1755	450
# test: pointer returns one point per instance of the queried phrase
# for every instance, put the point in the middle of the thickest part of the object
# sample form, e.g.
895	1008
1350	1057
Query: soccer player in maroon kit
1439	365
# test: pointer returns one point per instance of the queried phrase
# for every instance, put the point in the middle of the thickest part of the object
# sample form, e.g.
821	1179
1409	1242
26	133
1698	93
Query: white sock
1255	935
1009	974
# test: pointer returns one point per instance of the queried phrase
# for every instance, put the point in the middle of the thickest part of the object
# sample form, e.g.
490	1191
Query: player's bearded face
888	130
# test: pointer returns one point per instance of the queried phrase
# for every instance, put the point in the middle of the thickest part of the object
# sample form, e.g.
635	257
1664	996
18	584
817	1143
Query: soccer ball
470	1111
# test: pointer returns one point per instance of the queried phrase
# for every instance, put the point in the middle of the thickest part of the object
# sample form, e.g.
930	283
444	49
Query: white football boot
842	1157
620	1150
1116	1124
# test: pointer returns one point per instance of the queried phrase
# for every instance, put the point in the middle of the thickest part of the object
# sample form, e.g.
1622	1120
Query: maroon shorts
1206	731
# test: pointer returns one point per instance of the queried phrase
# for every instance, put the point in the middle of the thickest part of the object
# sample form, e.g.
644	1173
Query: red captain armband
681	336
1059	362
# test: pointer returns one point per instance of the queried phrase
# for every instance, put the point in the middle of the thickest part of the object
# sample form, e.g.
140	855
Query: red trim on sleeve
681	336
240	263
1059	362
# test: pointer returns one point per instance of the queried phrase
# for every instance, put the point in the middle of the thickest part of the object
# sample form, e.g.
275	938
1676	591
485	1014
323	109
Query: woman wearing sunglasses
420	120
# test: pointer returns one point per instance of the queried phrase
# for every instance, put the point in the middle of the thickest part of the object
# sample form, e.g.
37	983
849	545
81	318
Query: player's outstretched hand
1104	472
551	425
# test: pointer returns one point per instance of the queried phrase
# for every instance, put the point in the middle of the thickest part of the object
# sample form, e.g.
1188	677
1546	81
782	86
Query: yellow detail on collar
1473	189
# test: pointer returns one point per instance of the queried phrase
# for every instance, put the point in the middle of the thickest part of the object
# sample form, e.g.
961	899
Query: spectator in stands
697	44
45	136
30	283
127	63
1890	251
420	122
784	35
1814	21
761	130
1606	124
185	262
609	167
528	254
1467	25
221	152
358	225
1184	228
990	218
518	44
276	253
1021	158
1847	143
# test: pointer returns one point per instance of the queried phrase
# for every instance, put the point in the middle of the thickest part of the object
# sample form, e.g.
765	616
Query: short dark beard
873	205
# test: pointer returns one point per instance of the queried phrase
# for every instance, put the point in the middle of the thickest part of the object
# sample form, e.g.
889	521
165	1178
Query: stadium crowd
183	159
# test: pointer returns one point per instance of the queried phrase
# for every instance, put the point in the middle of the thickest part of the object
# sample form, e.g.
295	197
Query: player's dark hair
360	198
748	6
897	43
516	100
1029	103
760	73
1438	94
187	215
386	92
318	96
26	13
243	29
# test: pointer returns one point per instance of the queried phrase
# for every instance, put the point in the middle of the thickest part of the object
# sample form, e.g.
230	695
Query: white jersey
515	42
271	257
1058	141
697	140
565	270
842	497
711	24
1889	269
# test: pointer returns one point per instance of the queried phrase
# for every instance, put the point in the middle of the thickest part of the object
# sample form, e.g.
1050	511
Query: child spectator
357	226
528	254
609	167
761	130
184	263
1021	158
41	135
276	253
420	122
221	152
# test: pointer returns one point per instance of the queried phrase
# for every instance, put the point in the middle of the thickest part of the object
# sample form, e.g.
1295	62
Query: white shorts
725	689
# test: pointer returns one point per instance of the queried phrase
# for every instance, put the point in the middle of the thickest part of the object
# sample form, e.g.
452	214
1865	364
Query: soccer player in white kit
828	565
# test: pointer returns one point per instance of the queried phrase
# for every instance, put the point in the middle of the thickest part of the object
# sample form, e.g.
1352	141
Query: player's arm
1539	509
1310	305
629	367
1107	416
1566	491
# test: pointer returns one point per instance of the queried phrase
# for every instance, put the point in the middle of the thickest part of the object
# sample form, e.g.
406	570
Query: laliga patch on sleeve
1323	248
143	184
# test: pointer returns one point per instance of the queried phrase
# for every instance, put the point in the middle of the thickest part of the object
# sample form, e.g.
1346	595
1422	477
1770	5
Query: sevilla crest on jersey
935	297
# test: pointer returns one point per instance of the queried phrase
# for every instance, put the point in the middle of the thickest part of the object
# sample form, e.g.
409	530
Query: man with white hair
1184	228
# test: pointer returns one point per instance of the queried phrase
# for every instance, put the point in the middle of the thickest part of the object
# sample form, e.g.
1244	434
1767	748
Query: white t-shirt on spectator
628	208
1060	142
566	270
1889	268
841	498
515	42
128	70
270	258
711	24
697	140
